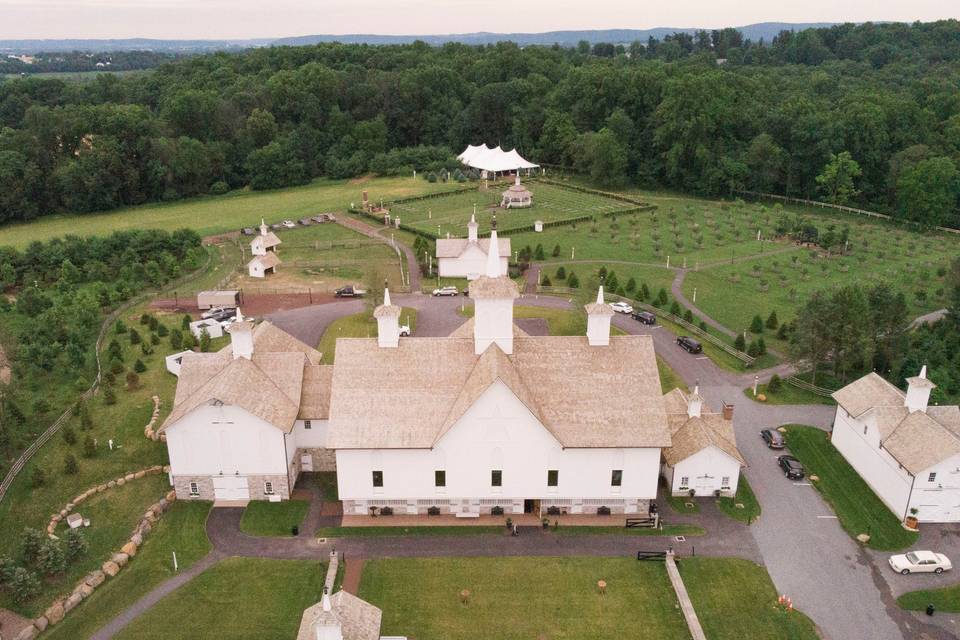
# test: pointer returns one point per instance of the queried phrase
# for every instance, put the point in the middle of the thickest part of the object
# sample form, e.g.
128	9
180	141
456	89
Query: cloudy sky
268	18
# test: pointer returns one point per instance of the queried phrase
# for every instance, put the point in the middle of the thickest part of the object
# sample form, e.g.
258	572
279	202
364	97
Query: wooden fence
746	359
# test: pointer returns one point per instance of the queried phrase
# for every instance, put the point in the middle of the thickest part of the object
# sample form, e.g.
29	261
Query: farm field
322	258
219	214
450	214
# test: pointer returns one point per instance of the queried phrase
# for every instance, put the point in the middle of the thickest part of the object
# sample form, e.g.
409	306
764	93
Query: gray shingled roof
692	435
453	247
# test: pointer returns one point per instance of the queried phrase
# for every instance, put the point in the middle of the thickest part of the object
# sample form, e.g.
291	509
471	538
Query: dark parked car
644	316
349	292
791	467
689	344
247	231
773	438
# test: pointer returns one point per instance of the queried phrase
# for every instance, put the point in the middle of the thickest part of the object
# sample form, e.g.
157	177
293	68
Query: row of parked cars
290	224
686	343
904	563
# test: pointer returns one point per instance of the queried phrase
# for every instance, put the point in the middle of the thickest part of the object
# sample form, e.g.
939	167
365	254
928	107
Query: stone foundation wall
618	506
323	459
181	484
281	486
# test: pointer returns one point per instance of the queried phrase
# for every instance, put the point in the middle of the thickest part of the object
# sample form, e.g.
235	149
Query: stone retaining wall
323	459
90	582
149	430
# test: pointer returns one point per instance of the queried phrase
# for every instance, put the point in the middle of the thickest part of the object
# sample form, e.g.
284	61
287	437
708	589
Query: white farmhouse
703	457
467	257
260	266
905	449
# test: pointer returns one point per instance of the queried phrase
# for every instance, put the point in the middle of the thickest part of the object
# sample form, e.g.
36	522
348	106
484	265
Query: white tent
497	160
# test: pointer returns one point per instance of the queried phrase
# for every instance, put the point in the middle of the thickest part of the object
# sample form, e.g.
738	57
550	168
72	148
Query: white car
920	562
446	291
622	307
404	330
289	224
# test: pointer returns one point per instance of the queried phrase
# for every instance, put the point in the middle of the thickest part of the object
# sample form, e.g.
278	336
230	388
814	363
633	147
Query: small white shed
228	299
213	327
260	266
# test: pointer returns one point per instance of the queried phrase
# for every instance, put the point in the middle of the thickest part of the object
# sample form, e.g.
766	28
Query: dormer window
307	425
932	477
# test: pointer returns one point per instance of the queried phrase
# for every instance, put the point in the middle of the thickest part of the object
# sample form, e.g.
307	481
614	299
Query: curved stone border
148	430
64	605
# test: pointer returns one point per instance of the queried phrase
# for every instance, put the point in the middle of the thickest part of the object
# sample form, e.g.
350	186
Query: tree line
865	115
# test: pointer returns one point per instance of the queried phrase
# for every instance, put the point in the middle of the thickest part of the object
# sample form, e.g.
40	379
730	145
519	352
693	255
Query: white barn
264	250
467	257
905	449
703	457
260	266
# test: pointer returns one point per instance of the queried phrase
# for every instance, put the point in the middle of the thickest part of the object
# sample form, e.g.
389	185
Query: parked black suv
689	344
791	467
644	316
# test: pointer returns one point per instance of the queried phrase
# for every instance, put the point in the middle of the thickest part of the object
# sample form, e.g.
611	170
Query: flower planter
912	523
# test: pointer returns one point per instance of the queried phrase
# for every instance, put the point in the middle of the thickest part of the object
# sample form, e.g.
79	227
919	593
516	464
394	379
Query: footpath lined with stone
686	606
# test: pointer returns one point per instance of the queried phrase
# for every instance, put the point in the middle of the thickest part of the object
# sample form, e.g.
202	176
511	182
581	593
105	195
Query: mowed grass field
218	214
519	598
450	214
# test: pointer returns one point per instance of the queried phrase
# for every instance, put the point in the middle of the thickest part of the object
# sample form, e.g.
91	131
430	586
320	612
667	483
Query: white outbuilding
213	327
906	450
703	459
467	257
264	243
517	196
260	266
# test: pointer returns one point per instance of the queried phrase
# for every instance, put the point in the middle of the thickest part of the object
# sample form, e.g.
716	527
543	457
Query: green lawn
262	518
736	599
450	214
788	394
856	505
358	325
239	598
327	480
745	496
669	380
679	503
946	599
217	214
522	598
180	530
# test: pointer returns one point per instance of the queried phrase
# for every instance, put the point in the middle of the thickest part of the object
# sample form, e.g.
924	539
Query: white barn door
306	462
230	488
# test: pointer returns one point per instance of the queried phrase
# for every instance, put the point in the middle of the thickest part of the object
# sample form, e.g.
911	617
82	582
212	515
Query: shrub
546	281
783	331
204	340
688	315
86	421
496	511
561	273
37	477
775	384
162	331
109	378
740	343
30	542
753	350
24	585
761	346
119	327
538	253
433	511
145	319
572	281
69	435
176	339
133	381
154	323
756	325
386	511
51	560
116	367
7	568
109	397
89	447
139	367
145	348
603	511
185	322
219	188
134	336
644	291
115	351
553	510
631	285
662	297
556	254
431	177
772	321
70	466
154	339
675	308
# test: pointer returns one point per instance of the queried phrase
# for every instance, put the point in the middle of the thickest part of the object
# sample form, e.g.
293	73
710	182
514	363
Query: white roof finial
326	601
386	297
600	295
923	371
696	388
239	315
517	181
473	216
493	256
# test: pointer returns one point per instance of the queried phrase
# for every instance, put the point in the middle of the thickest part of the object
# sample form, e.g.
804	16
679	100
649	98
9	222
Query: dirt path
352	572
5	373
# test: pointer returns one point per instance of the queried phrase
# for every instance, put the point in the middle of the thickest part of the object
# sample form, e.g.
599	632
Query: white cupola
599	315
327	625
918	391
241	337
472	228
695	403
493	294
388	322
263	227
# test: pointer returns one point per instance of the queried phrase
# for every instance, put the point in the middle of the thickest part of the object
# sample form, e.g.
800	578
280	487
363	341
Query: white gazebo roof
496	159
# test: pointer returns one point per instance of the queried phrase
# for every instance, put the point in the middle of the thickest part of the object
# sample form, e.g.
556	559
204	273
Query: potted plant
692	492
509	523
546	523
496	511
386	511
603	511
912	522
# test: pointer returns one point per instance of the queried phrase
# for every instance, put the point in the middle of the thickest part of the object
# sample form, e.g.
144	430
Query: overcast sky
267	18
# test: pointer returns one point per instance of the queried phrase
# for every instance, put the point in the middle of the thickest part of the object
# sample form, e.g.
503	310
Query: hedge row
596	192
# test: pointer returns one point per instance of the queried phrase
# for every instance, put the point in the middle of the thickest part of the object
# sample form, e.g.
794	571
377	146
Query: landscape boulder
171	495
29	632
54	613
130	549
136	539
121	482
120	559
72	601
95	578
110	568
111	484
40	623
139	474
85	590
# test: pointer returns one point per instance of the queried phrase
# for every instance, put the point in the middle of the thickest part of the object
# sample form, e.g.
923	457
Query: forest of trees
79	61
866	115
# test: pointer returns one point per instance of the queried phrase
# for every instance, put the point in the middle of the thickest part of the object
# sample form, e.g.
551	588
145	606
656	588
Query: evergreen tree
185	322
644	291
740	343
70	466
134	336
30	542
675	308
561	273
573	281
631	285
69	435
51	559
761	346
24	585
772	321
756	325
538	253
89	447
77	545
556	251
176	339
774	385
37	477
139	367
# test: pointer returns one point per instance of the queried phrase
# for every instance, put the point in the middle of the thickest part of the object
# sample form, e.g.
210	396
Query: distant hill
765	30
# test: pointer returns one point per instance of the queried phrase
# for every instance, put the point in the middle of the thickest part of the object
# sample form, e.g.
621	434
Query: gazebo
517	196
